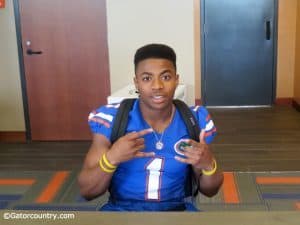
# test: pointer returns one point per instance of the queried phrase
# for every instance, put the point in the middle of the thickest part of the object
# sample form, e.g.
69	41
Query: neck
159	120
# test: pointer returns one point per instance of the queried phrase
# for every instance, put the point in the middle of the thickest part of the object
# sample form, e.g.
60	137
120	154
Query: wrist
210	170
210	166
110	158
105	165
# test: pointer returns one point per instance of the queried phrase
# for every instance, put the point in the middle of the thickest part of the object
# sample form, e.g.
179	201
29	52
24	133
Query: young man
147	169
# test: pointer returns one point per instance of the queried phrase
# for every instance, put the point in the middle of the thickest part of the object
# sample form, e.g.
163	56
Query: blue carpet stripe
56	207
10	197
4	204
280	196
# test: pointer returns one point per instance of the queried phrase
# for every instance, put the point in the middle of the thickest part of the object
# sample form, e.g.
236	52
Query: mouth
158	99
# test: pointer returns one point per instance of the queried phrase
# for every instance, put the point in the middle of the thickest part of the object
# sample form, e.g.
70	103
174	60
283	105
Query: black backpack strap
121	119
191	188
189	119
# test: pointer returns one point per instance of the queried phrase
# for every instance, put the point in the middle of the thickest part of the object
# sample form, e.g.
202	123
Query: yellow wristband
211	172
107	163
107	170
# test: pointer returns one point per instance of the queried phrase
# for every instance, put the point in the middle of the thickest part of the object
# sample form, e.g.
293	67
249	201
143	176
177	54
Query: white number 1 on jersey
153	179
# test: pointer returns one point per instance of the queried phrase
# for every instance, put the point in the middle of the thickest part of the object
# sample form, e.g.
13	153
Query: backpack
121	121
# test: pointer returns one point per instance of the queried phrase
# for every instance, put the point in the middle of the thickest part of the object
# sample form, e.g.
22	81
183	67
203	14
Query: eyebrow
146	73
164	71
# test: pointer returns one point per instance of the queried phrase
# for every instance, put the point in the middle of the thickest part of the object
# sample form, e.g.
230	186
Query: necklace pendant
159	145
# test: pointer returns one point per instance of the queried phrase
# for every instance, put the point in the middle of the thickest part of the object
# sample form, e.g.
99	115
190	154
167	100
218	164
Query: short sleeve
205	122
101	120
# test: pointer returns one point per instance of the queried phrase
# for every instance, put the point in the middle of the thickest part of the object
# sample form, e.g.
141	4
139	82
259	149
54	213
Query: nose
157	84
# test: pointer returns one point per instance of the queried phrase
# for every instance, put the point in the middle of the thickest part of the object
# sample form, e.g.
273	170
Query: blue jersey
157	183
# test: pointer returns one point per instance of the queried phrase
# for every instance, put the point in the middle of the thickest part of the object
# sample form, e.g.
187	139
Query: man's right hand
128	147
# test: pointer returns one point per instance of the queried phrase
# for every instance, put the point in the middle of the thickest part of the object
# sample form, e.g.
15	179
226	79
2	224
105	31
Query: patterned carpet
242	191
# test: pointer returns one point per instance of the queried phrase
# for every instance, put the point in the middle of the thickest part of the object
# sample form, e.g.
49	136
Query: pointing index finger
144	132
141	133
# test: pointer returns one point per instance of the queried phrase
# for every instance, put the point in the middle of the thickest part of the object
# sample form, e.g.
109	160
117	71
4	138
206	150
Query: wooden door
238	47
66	65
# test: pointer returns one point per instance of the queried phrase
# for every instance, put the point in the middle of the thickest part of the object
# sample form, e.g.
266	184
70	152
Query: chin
160	106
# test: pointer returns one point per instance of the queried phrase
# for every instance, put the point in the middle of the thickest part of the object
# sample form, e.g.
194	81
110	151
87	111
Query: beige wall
297	62
11	106
286	48
133	23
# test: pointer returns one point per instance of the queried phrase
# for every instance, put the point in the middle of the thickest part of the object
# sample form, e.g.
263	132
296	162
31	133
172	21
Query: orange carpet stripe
52	188
278	180
17	181
230	191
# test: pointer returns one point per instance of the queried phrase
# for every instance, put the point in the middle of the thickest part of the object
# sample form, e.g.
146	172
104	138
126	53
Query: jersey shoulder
205	122
101	119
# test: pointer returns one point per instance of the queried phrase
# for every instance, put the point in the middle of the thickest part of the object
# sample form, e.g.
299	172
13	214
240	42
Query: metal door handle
30	52
268	30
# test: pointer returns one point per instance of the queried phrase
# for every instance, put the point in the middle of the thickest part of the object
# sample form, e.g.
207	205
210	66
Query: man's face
156	81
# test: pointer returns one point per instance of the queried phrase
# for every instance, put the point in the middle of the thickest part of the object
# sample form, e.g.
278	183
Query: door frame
22	70
202	50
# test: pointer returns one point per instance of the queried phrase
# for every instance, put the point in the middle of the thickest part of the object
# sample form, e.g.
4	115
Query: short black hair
157	51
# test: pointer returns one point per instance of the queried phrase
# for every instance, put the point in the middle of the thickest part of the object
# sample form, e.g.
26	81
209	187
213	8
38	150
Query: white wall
11	106
134	23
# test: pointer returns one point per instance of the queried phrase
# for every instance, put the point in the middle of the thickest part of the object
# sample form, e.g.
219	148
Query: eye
146	78
166	77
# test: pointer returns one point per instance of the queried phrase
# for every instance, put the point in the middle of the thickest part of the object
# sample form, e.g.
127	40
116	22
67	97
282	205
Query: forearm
210	185
93	181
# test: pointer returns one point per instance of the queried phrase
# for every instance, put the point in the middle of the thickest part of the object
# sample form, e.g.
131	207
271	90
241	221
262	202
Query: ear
177	79
135	83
